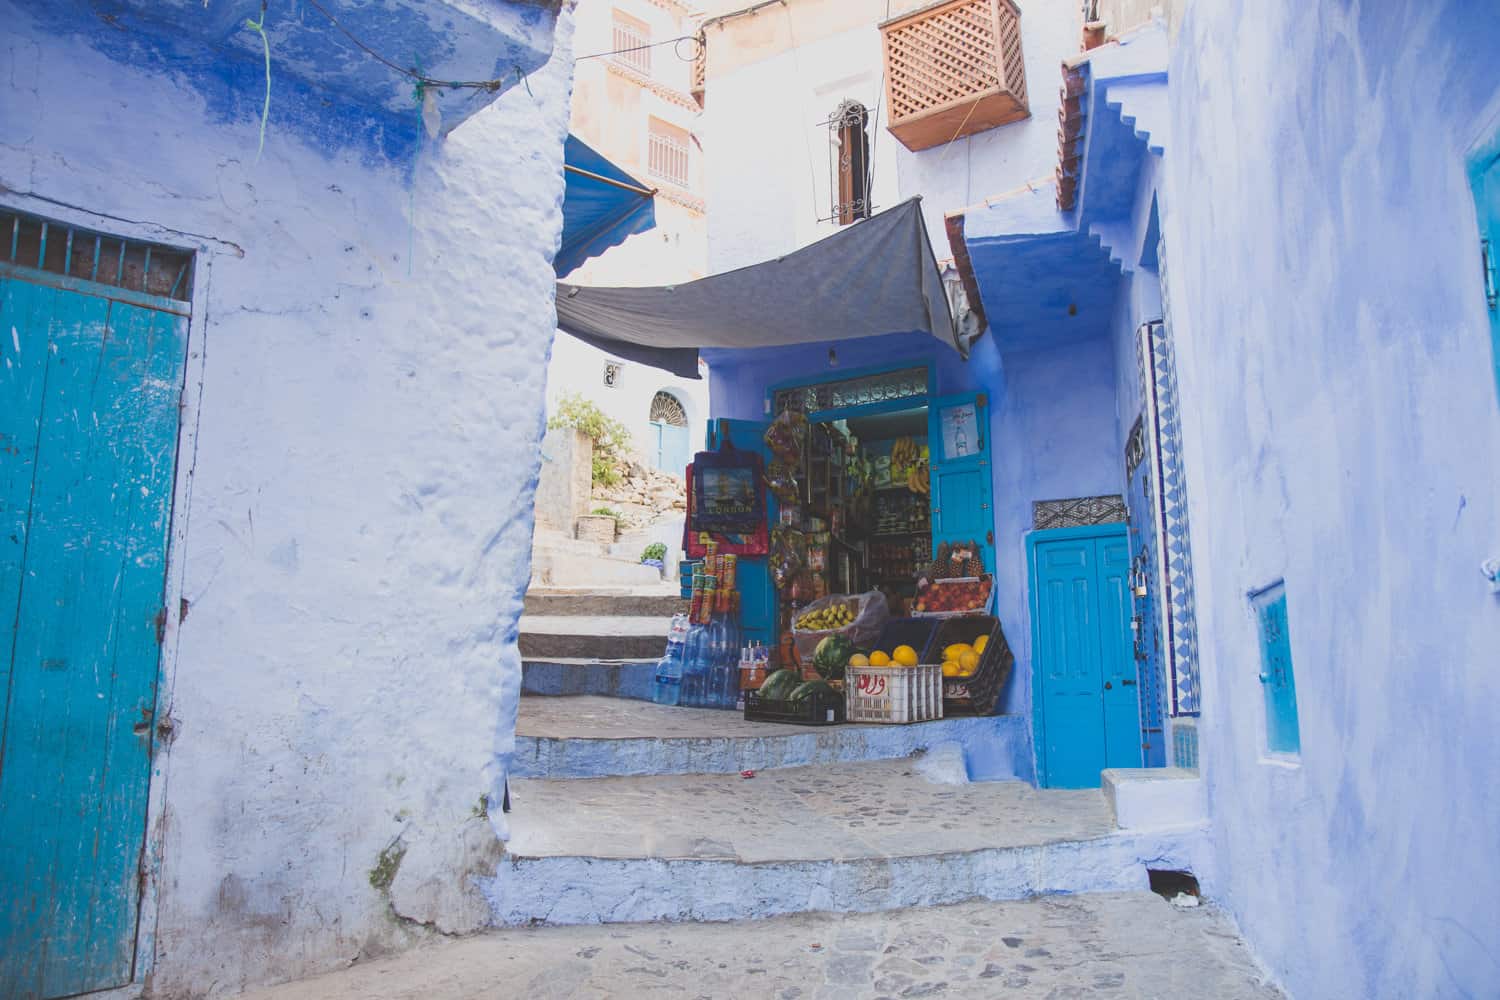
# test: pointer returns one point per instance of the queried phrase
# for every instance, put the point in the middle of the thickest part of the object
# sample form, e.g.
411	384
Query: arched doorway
667	444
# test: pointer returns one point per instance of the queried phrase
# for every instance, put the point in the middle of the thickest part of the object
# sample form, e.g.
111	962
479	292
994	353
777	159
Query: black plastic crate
979	694
917	633
818	709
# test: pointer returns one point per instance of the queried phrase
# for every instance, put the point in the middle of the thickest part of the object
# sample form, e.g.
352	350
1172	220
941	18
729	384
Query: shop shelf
819	709
894	695
979	694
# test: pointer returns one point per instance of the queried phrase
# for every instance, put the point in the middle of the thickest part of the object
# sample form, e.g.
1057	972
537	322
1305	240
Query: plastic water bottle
668	687
695	666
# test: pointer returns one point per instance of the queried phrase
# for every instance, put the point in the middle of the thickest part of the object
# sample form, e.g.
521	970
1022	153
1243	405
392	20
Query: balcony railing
953	69
667	158
630	50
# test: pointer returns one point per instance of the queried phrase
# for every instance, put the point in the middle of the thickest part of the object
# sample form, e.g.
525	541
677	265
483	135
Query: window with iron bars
848	163
667	152
631	36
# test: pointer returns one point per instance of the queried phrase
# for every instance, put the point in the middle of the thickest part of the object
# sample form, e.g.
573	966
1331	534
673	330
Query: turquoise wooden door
1484	178
961	476
1083	662
89	392
757	592
669	447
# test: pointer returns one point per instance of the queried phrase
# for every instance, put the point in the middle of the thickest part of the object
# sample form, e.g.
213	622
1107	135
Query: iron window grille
31	241
667	409
666	155
1078	512
630	40
848	163
907	383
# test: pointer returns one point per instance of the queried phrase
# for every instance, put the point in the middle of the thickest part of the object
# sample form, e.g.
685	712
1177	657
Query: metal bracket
1487	259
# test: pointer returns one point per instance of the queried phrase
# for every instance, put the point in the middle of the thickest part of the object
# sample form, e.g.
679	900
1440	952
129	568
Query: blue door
1084	678
89	392
1149	642
757	592
1484	178
958	442
669	447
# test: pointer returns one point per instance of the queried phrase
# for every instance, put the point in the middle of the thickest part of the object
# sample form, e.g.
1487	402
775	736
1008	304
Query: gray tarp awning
873	278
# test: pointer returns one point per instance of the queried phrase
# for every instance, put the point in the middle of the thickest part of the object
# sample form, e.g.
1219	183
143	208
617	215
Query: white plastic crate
894	694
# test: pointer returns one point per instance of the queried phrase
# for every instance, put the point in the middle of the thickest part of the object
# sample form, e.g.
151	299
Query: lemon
980	643
951	669
968	663
859	660
904	656
879	659
955	650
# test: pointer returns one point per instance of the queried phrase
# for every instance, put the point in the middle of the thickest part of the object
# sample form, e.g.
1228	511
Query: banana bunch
904	452
916	480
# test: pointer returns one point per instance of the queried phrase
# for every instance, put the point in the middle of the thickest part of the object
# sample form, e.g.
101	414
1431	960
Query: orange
879	659
904	656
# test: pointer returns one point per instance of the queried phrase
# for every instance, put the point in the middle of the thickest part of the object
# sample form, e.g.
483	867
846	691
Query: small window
631	38
849	148
1276	678
667	152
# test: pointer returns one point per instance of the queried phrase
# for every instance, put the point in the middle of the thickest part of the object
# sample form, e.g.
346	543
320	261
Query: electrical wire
676	44
420	78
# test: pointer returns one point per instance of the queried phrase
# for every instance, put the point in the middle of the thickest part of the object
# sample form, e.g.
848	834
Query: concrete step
564	676
859	837
557	568
591	737
557	603
1145	798
593	637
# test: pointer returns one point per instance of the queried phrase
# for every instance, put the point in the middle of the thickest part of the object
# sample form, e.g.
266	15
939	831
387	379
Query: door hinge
1487	258
161	625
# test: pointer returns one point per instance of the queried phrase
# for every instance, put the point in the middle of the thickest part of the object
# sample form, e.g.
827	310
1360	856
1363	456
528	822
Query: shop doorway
1086	713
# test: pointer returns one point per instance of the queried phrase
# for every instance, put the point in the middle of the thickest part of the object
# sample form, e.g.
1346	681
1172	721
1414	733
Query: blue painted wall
1342	431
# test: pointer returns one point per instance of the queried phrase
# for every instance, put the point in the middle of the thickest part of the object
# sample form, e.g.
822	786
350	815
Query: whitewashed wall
353	513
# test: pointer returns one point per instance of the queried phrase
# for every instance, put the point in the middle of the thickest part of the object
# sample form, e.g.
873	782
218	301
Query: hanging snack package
787	435
782	483
788	555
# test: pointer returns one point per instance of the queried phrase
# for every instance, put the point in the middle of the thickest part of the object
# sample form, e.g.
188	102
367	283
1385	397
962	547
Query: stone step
558	567
596	637
1143	798
590	737
595	603
562	676
859	837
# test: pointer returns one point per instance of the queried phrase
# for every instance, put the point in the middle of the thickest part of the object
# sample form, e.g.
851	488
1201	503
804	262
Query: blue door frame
1096	711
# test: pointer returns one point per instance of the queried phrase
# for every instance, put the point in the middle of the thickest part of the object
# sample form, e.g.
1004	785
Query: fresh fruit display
832	654
954	596
858	660
904	656
833	616
807	689
879	659
780	684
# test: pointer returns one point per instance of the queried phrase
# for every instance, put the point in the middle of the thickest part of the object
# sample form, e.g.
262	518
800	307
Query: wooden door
89	392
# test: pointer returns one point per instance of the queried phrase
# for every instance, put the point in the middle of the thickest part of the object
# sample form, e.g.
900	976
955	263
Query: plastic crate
917	633
985	608
894	694
979	694
819	709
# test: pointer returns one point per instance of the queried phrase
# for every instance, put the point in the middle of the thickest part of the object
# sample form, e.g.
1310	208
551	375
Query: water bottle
695	666
729	692
668	687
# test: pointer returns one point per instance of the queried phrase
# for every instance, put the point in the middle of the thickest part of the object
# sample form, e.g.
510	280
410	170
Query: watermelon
810	688
780	684
832	655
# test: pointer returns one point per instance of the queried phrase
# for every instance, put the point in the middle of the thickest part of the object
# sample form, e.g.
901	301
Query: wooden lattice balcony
952	69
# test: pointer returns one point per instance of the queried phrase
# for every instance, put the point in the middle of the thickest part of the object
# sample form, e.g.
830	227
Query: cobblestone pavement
1130	946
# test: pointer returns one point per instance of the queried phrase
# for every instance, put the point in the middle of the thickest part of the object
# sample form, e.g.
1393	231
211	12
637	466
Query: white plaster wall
579	367
768	172
353	519
1341	430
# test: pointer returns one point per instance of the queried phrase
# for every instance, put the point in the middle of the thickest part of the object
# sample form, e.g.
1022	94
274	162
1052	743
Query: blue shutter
1276	677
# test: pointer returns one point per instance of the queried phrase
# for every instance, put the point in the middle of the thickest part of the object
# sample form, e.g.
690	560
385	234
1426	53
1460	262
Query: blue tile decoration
1162	405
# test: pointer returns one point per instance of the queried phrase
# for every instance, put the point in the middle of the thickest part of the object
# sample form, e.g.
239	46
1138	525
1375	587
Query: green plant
611	438
656	550
606	512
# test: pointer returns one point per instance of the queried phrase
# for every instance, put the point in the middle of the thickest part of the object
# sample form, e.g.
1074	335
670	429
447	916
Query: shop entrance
1084	677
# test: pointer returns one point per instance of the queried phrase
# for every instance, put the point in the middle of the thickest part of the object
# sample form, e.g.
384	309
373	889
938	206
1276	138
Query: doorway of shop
1083	668
668	442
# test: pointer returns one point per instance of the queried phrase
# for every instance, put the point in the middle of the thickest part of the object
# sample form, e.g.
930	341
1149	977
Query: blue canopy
601	207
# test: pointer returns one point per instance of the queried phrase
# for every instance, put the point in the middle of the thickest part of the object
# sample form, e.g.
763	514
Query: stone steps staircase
628	811
587	641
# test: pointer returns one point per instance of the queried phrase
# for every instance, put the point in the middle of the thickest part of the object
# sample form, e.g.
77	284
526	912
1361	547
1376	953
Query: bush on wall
611	437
